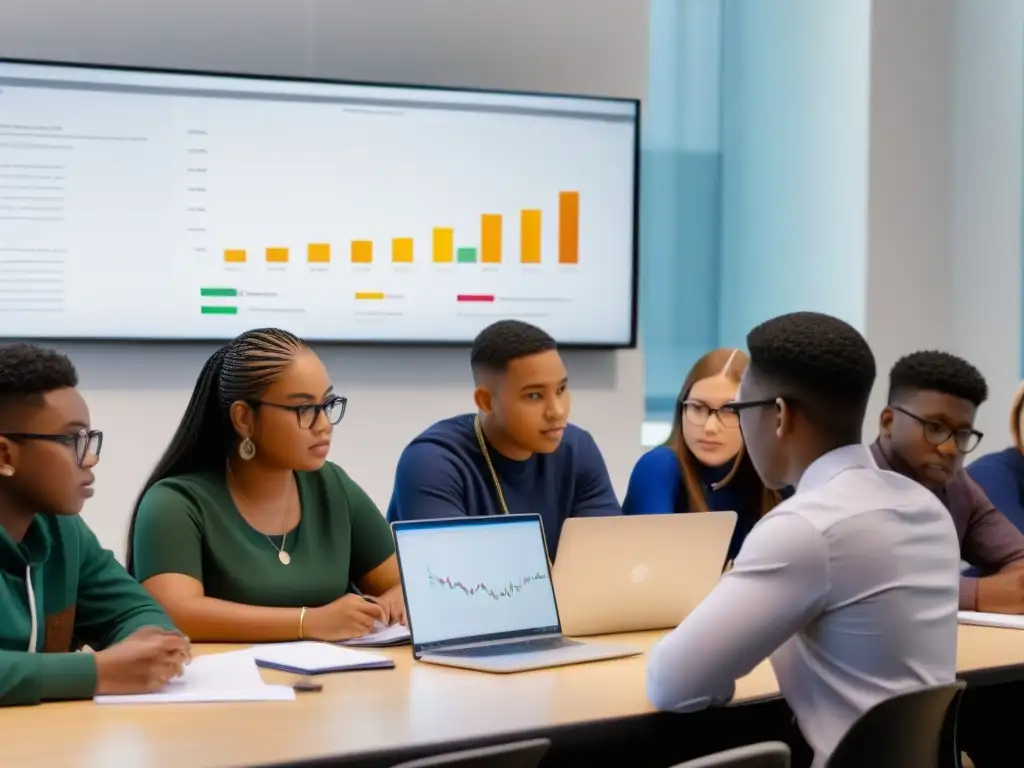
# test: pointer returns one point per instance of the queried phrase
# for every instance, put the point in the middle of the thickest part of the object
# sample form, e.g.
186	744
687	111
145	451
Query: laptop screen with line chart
473	579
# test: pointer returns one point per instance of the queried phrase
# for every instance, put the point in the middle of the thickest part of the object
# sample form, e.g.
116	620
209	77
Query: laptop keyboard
508	649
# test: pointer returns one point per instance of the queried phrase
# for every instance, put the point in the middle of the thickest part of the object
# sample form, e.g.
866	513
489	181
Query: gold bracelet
302	621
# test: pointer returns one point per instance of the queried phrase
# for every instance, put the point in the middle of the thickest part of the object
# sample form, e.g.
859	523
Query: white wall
137	393
910	298
987	131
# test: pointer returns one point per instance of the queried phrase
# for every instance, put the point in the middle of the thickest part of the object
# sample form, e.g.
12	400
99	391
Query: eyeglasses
86	443
698	413
738	406
307	414
966	440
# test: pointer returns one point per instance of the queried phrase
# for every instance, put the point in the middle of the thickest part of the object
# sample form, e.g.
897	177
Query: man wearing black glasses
59	588
849	586
925	431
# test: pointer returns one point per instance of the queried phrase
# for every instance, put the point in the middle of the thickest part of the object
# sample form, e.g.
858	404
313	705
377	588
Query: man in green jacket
59	589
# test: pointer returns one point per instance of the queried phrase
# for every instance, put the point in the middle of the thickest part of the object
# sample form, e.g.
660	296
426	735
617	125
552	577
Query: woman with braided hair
245	532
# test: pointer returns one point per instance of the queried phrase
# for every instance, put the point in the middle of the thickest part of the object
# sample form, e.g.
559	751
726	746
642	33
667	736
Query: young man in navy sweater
517	454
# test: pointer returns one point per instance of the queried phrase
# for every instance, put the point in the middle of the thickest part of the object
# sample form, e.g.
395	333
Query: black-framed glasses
85	443
936	433
738	406
308	414
698	414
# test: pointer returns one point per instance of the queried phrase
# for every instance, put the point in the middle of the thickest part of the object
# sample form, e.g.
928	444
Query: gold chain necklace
282	555
487	457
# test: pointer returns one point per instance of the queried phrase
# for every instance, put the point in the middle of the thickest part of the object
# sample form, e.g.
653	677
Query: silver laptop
638	572
478	595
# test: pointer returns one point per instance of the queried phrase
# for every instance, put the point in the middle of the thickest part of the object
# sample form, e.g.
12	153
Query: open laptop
478	595
638	572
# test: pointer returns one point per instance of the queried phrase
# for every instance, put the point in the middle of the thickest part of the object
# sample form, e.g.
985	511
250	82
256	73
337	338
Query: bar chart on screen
388	216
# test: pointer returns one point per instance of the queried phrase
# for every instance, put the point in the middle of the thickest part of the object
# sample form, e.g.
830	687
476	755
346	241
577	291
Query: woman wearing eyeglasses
1001	473
245	532
702	466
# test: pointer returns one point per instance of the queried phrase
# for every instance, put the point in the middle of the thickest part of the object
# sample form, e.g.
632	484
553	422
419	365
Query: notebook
381	637
1002	620
307	657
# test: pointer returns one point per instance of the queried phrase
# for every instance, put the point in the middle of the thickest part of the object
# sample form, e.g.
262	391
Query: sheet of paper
312	657
382	635
1002	620
231	676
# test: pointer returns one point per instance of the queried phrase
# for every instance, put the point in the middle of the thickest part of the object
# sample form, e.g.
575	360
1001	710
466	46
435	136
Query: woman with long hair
1001	473
702	466
245	532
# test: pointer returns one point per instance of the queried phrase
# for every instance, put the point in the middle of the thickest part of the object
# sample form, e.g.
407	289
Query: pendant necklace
282	554
487	457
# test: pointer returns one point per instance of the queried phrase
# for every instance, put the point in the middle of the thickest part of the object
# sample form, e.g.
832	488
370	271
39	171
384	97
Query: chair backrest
519	754
916	728
770	754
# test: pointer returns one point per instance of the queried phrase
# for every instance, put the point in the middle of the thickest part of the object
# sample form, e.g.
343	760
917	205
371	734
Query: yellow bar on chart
318	253
277	255
401	250
490	238
444	245
235	256
369	295
362	251
529	236
568	227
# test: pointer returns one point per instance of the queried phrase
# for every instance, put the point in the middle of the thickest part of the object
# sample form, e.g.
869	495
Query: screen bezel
418	649
631	343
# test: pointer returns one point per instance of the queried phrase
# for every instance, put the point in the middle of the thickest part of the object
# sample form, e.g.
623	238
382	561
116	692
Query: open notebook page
231	676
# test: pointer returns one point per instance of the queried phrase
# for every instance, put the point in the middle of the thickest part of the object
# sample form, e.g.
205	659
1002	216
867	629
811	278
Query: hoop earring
246	449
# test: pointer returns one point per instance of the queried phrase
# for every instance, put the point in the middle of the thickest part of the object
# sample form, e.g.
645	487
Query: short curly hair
504	341
28	372
937	371
822	362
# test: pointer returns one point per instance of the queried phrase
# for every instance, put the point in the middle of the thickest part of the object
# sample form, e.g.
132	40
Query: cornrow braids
242	370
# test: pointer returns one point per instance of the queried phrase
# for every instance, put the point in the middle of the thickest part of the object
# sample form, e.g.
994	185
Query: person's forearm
208	620
31	678
968	593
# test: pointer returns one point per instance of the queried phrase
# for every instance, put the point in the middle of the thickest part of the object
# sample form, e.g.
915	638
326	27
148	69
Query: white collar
827	466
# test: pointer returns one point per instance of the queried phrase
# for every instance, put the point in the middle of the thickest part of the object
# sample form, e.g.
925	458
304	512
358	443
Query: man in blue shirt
517	454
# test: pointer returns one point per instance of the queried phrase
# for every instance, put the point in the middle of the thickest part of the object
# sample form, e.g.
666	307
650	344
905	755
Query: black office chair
519	754
770	754
916	729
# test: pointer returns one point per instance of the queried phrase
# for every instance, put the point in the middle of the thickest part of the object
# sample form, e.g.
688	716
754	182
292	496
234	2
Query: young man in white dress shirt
851	586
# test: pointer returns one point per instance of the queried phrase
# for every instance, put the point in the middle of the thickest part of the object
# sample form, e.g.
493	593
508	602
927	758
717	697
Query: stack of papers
311	658
1006	621
382	637
219	677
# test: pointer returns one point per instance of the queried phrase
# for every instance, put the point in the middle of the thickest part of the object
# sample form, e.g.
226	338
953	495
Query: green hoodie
60	590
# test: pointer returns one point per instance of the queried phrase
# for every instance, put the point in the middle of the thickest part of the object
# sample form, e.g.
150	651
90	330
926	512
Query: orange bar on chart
444	245
362	251
318	253
568	227
490	238
529	237
277	255
401	250
235	256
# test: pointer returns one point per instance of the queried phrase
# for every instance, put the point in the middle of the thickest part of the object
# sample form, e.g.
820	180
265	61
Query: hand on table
393	603
143	662
346	618
1002	592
